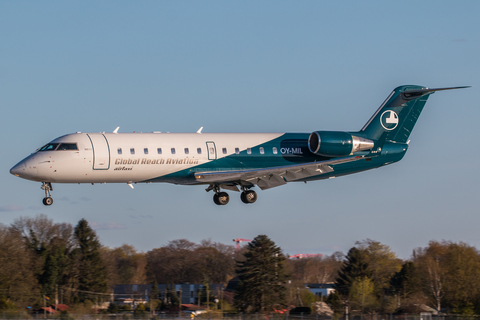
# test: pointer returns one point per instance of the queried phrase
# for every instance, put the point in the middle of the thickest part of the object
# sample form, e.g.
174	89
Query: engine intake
336	143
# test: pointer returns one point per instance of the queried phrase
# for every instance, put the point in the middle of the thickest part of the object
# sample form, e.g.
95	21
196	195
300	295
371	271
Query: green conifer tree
354	267
262	277
406	281
91	271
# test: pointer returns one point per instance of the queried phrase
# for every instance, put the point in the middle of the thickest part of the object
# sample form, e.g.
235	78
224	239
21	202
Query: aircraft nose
18	169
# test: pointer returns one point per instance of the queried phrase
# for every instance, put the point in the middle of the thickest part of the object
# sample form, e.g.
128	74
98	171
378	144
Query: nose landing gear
47	186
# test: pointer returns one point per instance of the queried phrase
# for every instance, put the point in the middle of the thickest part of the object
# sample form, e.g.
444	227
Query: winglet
116	130
200	130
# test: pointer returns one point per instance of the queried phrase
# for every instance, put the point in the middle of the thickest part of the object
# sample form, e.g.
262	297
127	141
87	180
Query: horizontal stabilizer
412	94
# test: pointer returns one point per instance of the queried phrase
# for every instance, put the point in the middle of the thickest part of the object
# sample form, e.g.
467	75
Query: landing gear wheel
248	196
47	186
221	198
47	201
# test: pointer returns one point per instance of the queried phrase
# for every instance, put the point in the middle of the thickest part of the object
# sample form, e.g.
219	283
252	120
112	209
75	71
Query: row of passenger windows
199	150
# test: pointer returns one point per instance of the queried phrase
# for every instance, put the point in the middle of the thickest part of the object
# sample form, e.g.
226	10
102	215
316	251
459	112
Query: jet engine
336	143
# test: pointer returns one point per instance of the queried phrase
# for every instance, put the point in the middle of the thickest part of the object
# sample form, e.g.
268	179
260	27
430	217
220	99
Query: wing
267	178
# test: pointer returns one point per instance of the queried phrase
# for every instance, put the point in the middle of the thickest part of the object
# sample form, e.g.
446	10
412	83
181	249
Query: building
320	289
134	294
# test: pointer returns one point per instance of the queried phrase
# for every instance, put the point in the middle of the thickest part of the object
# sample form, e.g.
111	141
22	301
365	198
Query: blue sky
250	66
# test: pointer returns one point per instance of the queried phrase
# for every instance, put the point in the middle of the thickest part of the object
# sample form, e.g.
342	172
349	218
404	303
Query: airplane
229	161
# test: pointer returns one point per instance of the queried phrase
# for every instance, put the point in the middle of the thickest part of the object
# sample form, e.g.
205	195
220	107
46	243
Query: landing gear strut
47	186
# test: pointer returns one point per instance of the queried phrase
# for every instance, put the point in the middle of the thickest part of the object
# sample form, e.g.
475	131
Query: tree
450	273
91	271
154	292
362	295
175	263
205	295
262	277
354	267
335	302
184	261
431	264
462	281
407	288
18	283
382	262
215	261
405	281
125	265
51	244
316	269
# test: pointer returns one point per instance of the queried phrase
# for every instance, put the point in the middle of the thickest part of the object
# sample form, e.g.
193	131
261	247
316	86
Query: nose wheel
48	200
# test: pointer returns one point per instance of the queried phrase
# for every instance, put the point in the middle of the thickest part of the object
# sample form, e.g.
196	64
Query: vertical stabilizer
396	117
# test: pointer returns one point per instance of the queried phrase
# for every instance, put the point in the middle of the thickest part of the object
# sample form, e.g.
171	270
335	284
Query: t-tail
389	127
396	117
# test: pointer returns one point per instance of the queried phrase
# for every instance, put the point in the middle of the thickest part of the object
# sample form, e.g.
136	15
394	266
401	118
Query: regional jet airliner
228	161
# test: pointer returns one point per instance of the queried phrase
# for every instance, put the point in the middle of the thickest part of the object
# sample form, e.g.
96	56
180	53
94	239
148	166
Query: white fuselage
133	157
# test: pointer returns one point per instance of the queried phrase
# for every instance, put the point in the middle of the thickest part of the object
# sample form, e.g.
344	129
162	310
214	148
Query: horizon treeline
40	258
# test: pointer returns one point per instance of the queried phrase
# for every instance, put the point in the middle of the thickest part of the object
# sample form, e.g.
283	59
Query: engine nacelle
336	143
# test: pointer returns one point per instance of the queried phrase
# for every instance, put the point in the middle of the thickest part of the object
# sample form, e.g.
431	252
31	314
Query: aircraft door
101	151
211	150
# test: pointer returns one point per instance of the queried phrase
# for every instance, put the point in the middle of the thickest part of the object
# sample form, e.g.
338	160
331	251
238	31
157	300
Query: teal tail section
396	117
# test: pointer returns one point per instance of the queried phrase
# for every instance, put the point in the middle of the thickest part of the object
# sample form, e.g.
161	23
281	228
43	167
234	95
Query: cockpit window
49	147
67	146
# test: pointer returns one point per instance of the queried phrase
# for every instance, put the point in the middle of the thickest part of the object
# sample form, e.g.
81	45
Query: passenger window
119	150
212	151
49	147
67	146
275	150
199	150
237	151
224	150
159	150
186	151
172	150
132	150
262	151
145	150
249	150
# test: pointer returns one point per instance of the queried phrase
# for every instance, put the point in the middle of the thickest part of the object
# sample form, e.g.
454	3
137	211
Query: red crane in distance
240	240
305	255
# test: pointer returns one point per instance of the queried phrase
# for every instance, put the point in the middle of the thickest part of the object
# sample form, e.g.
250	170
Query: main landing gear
222	198
47	186
248	196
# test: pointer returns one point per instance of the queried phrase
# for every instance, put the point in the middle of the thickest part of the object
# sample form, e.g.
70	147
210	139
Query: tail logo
389	120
